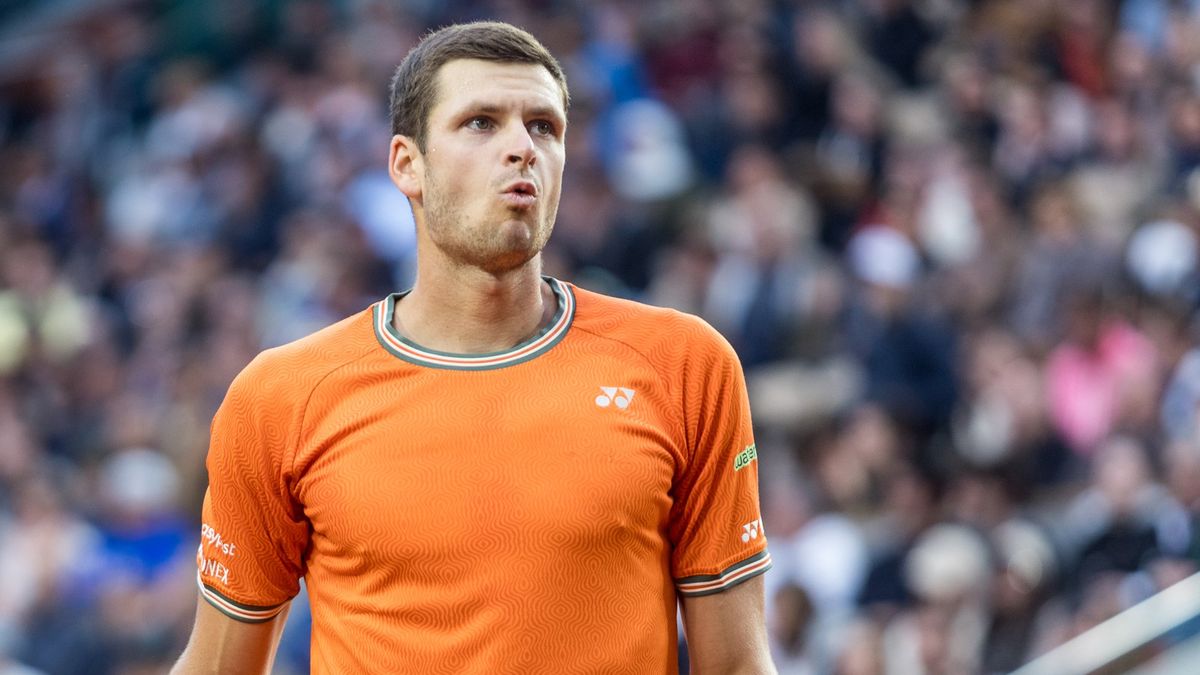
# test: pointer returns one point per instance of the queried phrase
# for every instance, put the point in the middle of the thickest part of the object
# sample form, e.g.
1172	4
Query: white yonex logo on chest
618	395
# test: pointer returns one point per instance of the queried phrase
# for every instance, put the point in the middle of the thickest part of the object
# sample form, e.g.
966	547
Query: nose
521	150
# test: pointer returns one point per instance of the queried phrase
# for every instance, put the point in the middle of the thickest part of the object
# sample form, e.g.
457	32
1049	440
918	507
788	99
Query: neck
472	311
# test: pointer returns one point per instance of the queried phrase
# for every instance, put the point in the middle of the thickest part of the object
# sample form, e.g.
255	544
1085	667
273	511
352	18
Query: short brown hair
414	86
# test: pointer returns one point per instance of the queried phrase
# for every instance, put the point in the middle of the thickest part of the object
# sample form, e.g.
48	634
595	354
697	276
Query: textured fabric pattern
533	517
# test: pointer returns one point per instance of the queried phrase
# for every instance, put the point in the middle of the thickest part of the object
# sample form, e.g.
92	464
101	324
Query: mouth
521	194
522	187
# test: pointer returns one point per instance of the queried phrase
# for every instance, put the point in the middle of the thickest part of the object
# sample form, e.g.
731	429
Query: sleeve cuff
731	576
237	610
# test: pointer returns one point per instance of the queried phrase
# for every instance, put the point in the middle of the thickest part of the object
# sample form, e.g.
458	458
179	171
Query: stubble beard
495	245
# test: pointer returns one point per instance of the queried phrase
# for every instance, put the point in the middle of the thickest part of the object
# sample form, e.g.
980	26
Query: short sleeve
253	534
716	527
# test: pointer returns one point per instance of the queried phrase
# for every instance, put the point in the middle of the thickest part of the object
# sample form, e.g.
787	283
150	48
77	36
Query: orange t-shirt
533	511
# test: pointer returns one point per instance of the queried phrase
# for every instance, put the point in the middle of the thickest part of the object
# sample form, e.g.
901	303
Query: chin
520	235
507	261
503	247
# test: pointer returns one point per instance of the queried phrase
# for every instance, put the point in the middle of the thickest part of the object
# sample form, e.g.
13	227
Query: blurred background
953	241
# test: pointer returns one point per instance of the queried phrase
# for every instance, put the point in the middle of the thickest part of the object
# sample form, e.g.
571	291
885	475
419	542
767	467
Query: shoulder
288	374
662	334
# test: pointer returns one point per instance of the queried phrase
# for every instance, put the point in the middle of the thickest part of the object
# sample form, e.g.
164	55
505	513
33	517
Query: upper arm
726	632
220	644
715	529
253	532
719	547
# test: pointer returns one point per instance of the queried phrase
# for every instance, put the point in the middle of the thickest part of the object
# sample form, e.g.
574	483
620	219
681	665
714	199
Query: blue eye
479	123
542	128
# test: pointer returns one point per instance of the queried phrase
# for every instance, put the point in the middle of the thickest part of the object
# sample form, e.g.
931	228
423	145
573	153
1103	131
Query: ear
405	166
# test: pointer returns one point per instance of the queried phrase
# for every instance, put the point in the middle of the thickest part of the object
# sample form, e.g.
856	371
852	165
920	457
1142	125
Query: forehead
463	82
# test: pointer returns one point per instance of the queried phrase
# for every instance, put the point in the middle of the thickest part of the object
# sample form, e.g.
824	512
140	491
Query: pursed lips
520	195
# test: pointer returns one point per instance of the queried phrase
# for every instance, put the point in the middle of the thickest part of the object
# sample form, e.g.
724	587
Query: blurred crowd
955	243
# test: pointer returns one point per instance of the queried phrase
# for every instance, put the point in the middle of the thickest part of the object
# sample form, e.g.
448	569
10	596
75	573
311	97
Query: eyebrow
492	109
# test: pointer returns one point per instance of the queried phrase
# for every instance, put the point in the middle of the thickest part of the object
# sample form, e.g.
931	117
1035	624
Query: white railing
1122	634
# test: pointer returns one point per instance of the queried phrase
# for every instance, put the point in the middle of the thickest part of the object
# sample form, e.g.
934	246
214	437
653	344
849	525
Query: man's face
491	171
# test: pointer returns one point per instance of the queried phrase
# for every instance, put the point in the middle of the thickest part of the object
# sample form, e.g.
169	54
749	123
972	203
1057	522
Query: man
495	471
